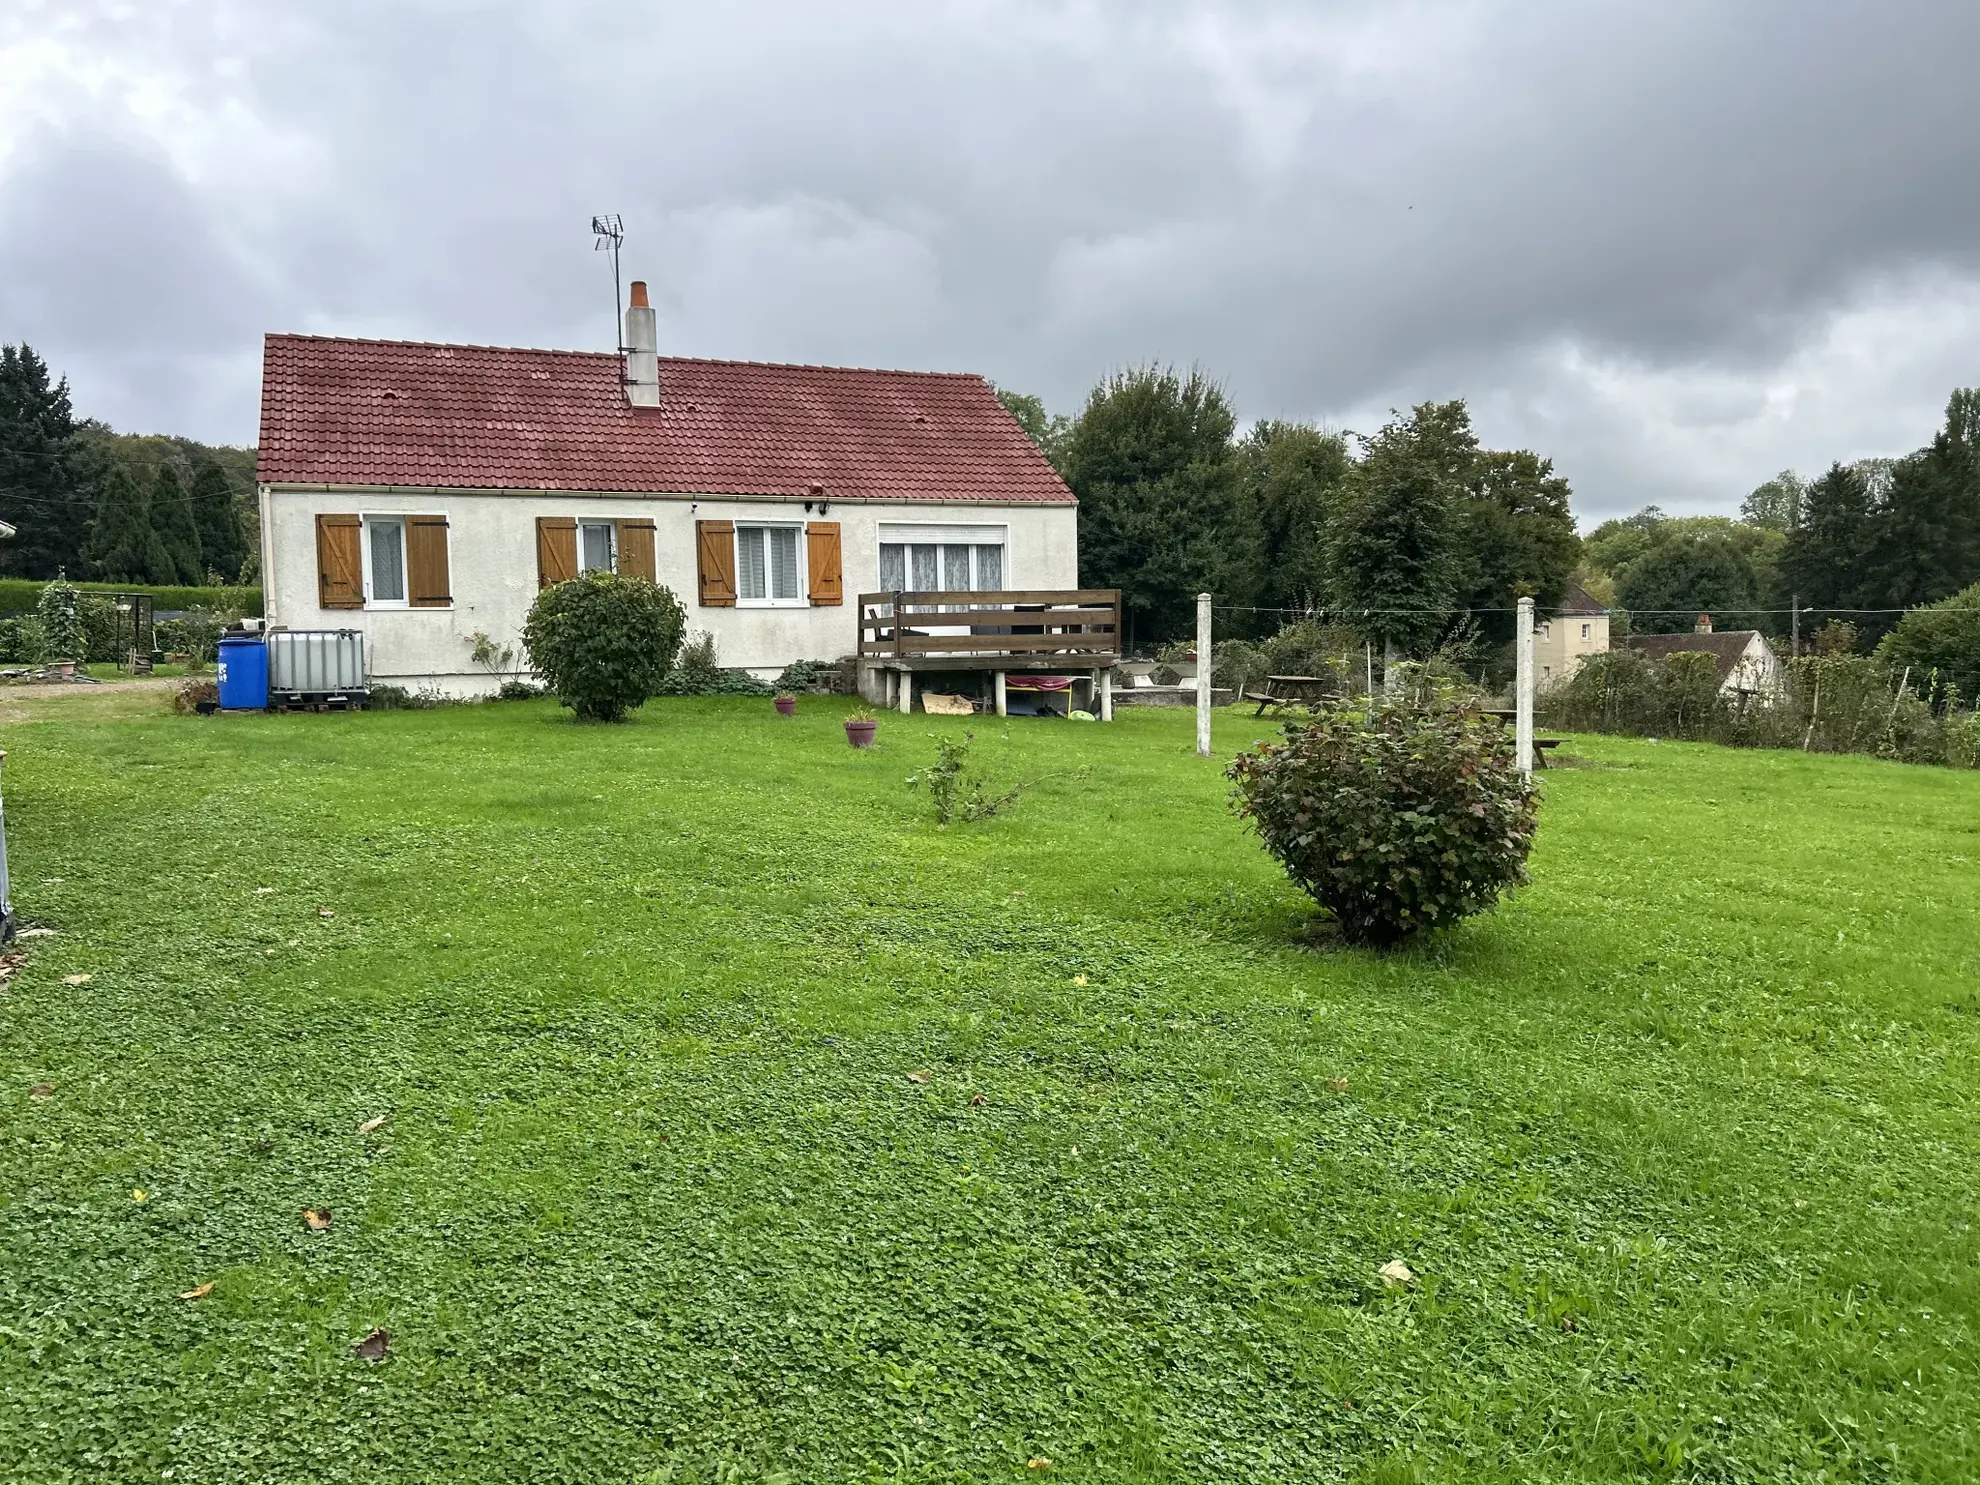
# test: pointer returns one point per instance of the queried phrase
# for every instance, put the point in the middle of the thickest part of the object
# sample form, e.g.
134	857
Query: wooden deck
1065	631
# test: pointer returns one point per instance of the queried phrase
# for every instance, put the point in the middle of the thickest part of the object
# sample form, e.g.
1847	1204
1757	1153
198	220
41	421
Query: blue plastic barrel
243	674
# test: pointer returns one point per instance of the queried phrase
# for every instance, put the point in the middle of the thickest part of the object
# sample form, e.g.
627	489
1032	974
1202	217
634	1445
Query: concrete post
907	692
1523	686
1107	694
1203	676
1003	705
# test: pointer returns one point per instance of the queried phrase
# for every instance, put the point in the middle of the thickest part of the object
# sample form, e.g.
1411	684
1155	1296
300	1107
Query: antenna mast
609	232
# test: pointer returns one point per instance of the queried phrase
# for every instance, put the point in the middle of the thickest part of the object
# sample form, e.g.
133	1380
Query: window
941	567
597	547
767	565
1587	630
385	561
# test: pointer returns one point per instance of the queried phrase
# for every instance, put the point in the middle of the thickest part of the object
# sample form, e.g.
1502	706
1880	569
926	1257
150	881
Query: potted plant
860	726
785	703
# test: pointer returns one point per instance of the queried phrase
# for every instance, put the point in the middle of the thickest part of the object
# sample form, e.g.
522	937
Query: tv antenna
608	232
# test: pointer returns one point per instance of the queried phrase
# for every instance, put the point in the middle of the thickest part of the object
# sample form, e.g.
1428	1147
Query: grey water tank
315	664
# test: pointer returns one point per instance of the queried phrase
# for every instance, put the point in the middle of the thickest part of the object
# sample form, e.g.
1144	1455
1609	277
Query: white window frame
368	524
611	544
803	599
909	534
1587	631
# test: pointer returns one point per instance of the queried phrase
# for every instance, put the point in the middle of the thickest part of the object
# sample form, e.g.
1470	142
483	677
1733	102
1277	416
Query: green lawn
1681	1142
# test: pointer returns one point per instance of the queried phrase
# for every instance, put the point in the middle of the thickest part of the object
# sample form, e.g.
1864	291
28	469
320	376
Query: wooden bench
1542	746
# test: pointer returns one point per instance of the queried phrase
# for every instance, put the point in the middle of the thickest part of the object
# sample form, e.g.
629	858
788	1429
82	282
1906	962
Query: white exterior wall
491	540
1758	670
1560	645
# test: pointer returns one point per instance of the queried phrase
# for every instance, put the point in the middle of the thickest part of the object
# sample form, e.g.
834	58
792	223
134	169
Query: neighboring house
1747	663
1561	643
425	493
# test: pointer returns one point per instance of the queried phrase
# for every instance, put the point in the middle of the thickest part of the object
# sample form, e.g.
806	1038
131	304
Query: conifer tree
123	548
178	532
43	494
221	545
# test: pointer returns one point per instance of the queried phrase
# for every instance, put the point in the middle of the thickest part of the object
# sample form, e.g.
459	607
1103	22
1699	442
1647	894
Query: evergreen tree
1515	539
222	547
1150	459
1392	545
42	492
178	531
1289	476
1924	540
1822	564
123	547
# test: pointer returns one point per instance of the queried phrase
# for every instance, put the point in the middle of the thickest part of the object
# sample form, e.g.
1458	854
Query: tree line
1403	534
1859	544
93	503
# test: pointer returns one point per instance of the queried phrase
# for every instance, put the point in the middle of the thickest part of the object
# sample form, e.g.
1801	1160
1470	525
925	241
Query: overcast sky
1676	246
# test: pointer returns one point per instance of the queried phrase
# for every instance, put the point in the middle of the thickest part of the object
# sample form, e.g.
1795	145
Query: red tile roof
383	412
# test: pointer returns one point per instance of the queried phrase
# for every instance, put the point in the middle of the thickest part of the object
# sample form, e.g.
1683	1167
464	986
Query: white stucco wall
492	570
1559	646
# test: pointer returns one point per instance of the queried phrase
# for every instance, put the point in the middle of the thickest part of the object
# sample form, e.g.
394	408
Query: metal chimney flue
642	350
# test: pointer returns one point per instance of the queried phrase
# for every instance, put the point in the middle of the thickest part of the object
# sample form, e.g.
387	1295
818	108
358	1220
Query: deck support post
1003	704
907	692
1107	694
1203	674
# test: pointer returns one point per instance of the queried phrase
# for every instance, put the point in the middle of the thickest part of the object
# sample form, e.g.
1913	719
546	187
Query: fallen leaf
317	1219
325	913
74	980
979	1100
36	933
1039	1462
1395	1271
1337	1085
200	1292
372	1125
922	1075
372	1347
263	891
138	1193
1075	1149
1079	979
42	1090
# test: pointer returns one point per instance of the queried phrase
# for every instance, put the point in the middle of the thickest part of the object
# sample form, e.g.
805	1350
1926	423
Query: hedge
19	596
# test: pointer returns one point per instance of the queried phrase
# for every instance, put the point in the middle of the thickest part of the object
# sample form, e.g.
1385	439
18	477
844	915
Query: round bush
1411	818
604	642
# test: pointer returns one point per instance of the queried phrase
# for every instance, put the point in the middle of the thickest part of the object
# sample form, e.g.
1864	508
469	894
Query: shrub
513	690
22	642
604	642
699	673
60	611
192	691
955	797
1396	816
800	675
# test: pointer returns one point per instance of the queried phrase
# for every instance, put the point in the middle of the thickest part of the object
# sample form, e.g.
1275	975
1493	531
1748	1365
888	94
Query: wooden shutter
636	549
556	550
821	544
426	562
715	547
339	562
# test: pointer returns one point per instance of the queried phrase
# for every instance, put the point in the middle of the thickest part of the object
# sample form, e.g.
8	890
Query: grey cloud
1332	206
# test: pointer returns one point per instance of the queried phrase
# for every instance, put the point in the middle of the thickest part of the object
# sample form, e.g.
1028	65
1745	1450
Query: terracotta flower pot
860	734
786	706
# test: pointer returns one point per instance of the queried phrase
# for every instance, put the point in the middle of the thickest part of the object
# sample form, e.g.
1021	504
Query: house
1560	643
1747	663
423	494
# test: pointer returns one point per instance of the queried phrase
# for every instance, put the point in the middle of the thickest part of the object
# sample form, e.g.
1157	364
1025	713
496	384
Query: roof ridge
532	350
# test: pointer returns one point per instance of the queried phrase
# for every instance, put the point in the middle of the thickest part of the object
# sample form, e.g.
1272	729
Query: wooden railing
1079	626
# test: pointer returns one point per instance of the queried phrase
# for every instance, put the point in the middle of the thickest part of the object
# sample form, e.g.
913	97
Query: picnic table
1542	746
1289	690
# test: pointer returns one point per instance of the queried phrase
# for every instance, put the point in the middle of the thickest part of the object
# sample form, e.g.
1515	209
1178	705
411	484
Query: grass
1680	1143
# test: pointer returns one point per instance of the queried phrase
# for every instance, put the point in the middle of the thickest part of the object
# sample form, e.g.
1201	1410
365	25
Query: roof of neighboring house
1580	601
1726	646
385	412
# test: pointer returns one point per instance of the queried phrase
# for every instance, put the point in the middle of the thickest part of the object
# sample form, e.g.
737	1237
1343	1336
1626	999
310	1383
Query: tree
1685	574
42	492
1945	638
1924	539
1515	538
1289	475
1392	544
222	547
1048	430
1775	505
1821	565
123	547
178	531
1150	459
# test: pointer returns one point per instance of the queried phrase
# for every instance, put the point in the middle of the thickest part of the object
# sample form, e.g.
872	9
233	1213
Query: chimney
1703	626
642	350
